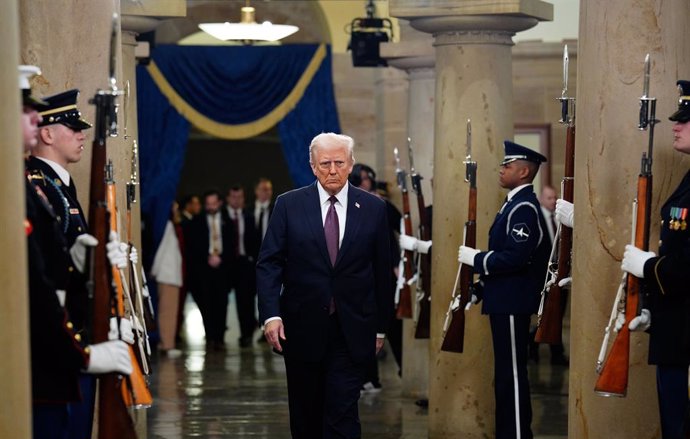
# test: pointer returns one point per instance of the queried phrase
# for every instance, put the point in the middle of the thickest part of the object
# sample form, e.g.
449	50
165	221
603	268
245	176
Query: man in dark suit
209	254
324	285
242	268
263	206
511	277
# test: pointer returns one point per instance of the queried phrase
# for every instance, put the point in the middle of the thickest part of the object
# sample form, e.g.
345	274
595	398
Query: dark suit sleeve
382	272
271	262
523	235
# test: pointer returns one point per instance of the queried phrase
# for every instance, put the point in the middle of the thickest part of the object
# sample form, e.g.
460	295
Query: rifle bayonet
647	117
567	103
414	176
134	175
400	172
470	165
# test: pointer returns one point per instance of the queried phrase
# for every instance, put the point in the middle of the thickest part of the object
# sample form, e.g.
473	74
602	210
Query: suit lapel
352	221
312	208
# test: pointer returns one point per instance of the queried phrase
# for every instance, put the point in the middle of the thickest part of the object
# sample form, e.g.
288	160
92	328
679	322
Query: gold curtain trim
246	130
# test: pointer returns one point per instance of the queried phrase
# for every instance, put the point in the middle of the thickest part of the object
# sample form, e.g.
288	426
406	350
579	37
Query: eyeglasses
326	165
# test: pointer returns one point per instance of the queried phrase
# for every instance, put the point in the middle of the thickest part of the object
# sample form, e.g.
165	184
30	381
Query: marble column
607	162
414	54
15	370
473	81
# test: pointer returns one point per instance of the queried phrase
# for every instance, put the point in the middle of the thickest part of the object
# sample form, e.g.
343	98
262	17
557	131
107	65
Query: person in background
364	177
242	268
167	270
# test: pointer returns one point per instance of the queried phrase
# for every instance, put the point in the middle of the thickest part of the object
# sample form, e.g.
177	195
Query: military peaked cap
62	108
25	74
513	152
682	115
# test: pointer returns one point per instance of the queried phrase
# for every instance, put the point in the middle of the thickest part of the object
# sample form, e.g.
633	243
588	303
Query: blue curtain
228	86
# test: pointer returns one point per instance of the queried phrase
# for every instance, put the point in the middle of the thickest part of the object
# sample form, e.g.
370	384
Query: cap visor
682	115
76	124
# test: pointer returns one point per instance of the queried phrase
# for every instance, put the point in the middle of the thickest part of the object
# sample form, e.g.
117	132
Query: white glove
620	321
466	255
564	213
565	282
473	301
125	332
116	251
109	356
408	242
634	260
134	255
78	250
423	246
641	322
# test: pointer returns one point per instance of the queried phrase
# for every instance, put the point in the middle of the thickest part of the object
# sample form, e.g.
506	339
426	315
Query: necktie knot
332	199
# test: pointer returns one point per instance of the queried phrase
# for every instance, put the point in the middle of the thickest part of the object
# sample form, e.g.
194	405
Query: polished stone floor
241	393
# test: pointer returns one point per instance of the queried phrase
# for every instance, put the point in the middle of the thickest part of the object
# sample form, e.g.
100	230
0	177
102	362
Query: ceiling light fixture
248	29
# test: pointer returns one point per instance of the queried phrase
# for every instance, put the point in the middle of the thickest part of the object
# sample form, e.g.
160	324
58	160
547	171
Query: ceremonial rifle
135	393
550	316
114	421
454	324
424	267
403	293
613	373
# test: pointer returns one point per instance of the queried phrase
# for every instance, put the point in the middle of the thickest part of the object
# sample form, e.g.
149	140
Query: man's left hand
379	343
634	260
78	250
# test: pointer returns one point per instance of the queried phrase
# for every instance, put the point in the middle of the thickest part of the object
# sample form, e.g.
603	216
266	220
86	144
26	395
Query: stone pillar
610	76
15	370
415	55
473	80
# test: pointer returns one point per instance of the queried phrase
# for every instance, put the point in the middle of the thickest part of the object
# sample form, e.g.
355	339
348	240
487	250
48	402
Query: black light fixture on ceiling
366	35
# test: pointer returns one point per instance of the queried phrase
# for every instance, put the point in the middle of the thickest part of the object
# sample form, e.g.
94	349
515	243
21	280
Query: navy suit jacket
514	268
295	278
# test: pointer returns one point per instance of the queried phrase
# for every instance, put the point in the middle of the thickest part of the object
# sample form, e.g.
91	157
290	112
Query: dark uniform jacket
512	270
197	237
667	283
72	223
296	280
56	355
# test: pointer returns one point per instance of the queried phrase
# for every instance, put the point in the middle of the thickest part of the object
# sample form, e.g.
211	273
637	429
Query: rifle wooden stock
422	329
454	338
404	310
550	324
613	377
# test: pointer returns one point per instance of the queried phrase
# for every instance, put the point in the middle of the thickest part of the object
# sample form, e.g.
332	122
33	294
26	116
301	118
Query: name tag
74	211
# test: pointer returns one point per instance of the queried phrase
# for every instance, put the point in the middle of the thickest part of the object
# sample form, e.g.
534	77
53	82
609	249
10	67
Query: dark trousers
211	296
672	387
323	395
50	421
81	413
510	334
243	282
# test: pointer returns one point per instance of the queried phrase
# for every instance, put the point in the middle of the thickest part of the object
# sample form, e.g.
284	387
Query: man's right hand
274	332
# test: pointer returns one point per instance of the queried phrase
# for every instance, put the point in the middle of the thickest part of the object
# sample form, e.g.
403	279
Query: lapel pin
357	205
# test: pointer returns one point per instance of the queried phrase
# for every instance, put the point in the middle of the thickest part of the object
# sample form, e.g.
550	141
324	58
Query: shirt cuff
378	335
270	319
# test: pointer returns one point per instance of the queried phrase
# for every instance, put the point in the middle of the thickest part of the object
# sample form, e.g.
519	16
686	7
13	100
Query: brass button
70	269
69	325
77	337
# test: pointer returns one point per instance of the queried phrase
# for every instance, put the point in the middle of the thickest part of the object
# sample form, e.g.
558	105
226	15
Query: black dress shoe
533	353
245	342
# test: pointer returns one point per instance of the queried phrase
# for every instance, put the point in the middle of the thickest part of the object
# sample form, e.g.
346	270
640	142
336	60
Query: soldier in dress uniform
511	278
666	280
57	353
60	142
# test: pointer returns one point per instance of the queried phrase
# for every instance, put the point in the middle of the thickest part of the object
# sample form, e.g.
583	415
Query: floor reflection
241	393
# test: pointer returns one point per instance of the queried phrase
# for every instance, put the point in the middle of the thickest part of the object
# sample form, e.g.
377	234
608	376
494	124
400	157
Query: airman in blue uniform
511	277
